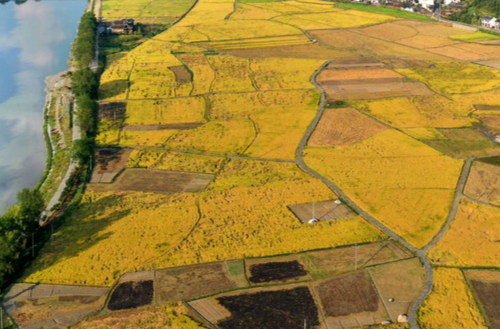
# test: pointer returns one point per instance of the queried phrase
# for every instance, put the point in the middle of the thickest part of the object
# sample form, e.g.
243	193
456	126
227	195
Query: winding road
421	253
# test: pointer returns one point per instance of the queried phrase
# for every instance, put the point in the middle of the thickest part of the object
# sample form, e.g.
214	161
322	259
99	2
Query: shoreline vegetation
26	226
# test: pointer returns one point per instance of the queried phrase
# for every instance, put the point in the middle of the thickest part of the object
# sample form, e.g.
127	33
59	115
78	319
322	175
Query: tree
84	82
31	205
86	113
82	150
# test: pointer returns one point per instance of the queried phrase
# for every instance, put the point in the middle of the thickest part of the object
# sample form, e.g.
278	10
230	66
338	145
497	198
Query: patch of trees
474	10
84	44
17	228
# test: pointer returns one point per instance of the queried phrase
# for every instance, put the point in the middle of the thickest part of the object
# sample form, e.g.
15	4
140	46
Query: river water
35	40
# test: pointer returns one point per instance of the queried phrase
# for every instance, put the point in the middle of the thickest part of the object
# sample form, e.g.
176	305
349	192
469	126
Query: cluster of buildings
122	26
490	22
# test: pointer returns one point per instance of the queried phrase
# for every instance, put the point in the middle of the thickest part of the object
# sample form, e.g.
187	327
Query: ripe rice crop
456	78
203	74
189	162
346	19
165	111
145	138
405	184
288	40
450	303
471	240
231	74
144	158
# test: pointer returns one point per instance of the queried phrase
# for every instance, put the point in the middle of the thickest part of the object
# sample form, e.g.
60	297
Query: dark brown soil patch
271	310
173	126
131	295
182	75
276	271
112	111
489	296
348	294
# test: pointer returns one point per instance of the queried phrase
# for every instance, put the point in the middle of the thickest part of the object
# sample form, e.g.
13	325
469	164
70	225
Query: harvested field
426	41
491	122
322	211
51	306
324	263
403	281
276	271
270	309
173	126
210	309
355	73
486	285
109	162
311	51
343	127
348	294
483	182
149	180
112	110
131	294
177	316
389	31
369	82
185	283
182	75
495	63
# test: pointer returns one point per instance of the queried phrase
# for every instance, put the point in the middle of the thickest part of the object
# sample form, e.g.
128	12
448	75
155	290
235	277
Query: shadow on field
112	88
79	232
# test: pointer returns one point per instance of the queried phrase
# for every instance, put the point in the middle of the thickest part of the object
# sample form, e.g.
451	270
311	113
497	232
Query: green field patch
385	11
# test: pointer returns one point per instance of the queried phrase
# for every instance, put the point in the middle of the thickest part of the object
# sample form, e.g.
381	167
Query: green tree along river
35	40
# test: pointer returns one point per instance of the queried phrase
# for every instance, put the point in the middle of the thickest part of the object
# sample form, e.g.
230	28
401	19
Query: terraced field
213	151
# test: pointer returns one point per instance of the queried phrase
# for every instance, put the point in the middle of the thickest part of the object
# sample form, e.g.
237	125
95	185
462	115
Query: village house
490	22
124	26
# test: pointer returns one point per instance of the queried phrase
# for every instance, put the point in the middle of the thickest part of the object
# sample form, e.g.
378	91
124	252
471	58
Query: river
35	40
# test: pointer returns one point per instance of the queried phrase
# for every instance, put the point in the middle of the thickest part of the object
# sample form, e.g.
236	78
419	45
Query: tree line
84	44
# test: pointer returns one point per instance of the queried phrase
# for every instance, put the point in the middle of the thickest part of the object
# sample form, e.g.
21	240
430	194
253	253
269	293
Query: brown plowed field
348	294
389	31
344	127
182	75
483	182
486	286
210	309
148	180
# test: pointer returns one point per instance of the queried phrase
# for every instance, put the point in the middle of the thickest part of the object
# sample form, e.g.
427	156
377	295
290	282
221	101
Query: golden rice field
450	303
165	111
145	158
243	214
472	239
403	183
419	111
456	78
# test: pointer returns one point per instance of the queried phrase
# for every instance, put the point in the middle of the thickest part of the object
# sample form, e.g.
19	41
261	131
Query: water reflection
34	42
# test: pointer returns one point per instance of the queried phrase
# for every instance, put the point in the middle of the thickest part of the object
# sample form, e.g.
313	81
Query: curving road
419	252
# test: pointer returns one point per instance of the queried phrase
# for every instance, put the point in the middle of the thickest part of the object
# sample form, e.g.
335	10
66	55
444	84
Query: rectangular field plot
337	261
276	269
321	211
351	300
186	283
148	180
270	309
401	281
109	162
483	182
370	82
210	309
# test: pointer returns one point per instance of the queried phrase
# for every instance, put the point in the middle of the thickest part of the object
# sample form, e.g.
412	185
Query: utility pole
356	257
